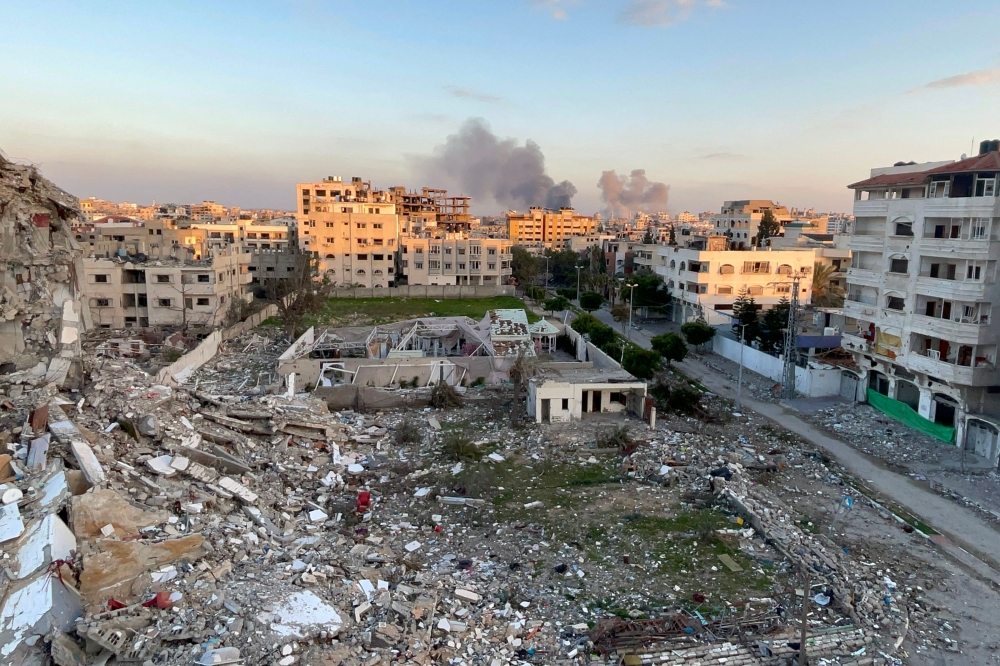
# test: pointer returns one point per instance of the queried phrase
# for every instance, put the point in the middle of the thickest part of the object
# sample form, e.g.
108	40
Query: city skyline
717	100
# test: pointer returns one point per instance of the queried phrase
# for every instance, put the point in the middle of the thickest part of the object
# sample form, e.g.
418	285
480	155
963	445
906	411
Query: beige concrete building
740	220
351	228
540	227
455	259
156	239
170	292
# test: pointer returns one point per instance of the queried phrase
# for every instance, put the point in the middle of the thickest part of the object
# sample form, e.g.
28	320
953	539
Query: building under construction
431	208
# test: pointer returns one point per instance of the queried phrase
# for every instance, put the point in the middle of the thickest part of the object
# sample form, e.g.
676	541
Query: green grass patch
365	311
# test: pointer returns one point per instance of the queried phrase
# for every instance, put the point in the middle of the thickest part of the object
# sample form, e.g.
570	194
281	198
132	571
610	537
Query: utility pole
803	659
788	372
739	380
631	299
546	277
578	284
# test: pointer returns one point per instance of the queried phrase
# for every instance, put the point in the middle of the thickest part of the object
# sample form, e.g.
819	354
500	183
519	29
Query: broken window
904	229
202	301
895	303
101	278
756	267
203	277
899	265
164	302
162	278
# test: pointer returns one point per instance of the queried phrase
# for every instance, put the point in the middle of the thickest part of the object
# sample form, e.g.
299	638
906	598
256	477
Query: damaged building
43	314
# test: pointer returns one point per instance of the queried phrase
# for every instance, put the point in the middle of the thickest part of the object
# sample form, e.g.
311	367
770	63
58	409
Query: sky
719	99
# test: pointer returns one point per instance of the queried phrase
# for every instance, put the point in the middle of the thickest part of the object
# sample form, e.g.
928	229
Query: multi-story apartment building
352	228
155	239
740	220
706	282
430	209
921	286
544	228
170	293
455	259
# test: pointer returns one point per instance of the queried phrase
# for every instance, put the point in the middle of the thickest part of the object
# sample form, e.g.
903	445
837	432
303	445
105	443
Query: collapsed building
42	314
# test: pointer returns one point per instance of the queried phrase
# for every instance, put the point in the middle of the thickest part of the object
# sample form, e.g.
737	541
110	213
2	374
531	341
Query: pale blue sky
236	101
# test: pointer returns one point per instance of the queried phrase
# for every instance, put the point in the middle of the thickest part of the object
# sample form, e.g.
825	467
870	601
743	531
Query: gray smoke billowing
625	194
480	164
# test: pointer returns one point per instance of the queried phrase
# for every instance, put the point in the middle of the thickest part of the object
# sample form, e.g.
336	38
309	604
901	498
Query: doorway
944	410
597	401
546	410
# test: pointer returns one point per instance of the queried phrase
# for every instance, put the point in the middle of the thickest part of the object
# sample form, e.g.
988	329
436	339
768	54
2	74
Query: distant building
740	220
455	259
541	227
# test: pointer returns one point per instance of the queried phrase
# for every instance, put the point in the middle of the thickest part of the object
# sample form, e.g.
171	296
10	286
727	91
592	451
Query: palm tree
825	294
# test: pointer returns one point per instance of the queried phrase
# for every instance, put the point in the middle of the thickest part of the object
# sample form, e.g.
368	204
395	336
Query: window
361	271
756	267
683	266
979	229
202	277
726	269
434	264
378	257
474	265
491	251
939	189
435	249
329	225
361	225
376	241
447	250
447	266
164	302
899	265
565	404
491	266
476	249
103	302
162	278
904	229
419	250
202	301
376	225
784	269
783	289
101	278
461	250
895	303
329	240
362	257
986	185
725	289
419	265
345	209
973	272
755	290
461	267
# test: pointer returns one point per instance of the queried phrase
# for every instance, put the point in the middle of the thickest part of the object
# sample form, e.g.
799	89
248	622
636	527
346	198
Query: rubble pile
212	524
41	313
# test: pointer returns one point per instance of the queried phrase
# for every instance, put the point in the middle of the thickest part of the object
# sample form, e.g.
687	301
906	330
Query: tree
602	336
523	266
621	314
768	228
562	266
697	333
523	369
648	239
825	294
745	312
772	328
590	301
672	240
569	293
585	323
641	363
299	293
670	346
535	293
557	304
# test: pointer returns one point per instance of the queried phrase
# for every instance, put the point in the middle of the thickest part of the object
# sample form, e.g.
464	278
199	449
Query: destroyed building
43	314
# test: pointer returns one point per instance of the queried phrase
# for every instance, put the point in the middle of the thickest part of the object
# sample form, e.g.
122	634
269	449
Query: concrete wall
812	382
556	392
181	369
253	321
390	371
427	291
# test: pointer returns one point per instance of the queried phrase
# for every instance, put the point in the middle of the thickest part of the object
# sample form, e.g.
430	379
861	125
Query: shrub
591	301
641	363
444	396
556	304
602	335
534	293
585	323
567	292
458	447
480	381
409	432
684	401
697	332
669	346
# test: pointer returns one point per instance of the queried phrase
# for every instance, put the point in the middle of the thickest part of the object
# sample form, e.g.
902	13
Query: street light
631	299
578	284
739	380
546	277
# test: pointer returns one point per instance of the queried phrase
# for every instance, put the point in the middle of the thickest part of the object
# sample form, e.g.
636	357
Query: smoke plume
480	164
631	193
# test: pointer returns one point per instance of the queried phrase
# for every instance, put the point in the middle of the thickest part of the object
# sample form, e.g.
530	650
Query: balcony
864	276
871	243
956	247
859	310
961	207
952	290
983	375
958	332
855	343
871	208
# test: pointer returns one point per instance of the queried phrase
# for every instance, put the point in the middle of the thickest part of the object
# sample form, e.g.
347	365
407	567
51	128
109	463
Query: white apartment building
707	282
455	259
170	292
351	228
740	220
921	286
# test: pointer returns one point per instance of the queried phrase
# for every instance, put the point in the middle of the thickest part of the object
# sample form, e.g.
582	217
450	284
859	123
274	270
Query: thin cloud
980	77
723	156
465	93
556	8
663	13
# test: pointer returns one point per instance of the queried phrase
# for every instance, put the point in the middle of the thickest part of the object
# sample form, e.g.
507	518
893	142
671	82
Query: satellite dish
964	156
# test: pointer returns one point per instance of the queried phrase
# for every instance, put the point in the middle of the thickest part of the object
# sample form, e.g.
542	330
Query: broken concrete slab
90	512
44	541
302	614
35	607
117	564
89	464
11	525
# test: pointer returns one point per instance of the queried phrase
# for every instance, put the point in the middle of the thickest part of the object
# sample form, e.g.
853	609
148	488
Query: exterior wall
742	219
194	295
812	382
551	229
157	239
712	289
427	291
572	395
455	261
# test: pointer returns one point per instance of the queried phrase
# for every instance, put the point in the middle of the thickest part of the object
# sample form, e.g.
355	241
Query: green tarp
903	412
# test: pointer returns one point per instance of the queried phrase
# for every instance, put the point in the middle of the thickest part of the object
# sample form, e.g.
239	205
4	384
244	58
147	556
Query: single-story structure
557	396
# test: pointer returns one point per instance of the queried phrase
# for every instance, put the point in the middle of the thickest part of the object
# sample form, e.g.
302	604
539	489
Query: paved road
960	525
